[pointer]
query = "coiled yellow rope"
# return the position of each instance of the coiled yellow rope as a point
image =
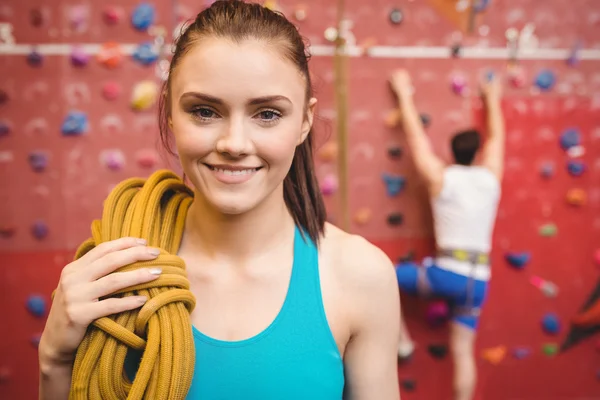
(154, 210)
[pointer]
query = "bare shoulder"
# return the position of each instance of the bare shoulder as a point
(360, 265)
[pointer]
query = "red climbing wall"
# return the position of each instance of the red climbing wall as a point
(69, 193)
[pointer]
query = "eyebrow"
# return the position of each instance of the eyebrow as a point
(252, 102)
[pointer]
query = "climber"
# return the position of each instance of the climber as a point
(464, 199)
(286, 305)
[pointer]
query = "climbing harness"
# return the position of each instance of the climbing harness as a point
(155, 210)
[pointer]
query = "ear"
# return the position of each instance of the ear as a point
(308, 120)
(170, 123)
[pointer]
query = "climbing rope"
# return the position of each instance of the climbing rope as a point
(154, 210)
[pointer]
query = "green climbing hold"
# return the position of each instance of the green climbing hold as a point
(548, 230)
(550, 349)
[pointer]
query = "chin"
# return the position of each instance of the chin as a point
(232, 204)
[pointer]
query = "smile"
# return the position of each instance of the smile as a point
(232, 174)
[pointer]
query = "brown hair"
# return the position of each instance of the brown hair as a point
(464, 145)
(236, 20)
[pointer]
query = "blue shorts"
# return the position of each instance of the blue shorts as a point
(464, 294)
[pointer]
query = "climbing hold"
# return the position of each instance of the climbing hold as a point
(393, 184)
(576, 197)
(5, 374)
(331, 34)
(143, 16)
(329, 185)
(394, 152)
(548, 288)
(362, 216)
(146, 158)
(438, 351)
(408, 384)
(573, 58)
(38, 160)
(113, 159)
(545, 80)
(393, 118)
(395, 219)
(35, 339)
(144, 95)
(550, 349)
(145, 53)
(521, 352)
(3, 97)
(575, 167)
(111, 90)
(551, 324)
(35, 59)
(112, 15)
(7, 231)
(4, 129)
(576, 151)
(78, 16)
(455, 50)
(547, 170)
(570, 138)
(79, 58)
(548, 230)
(494, 355)
(481, 5)
(518, 260)
(396, 16)
(36, 17)
(328, 152)
(75, 124)
(110, 55)
(425, 119)
(437, 313)
(597, 257)
(39, 230)
(300, 13)
(36, 305)
(516, 76)
(458, 84)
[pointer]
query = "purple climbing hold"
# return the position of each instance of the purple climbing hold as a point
(576, 167)
(570, 138)
(79, 58)
(35, 59)
(547, 170)
(38, 160)
(437, 313)
(518, 260)
(4, 129)
(36, 305)
(551, 324)
(481, 5)
(39, 230)
(521, 352)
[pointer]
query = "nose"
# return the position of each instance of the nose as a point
(234, 140)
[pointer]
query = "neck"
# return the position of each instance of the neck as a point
(238, 237)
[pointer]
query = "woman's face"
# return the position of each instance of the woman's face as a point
(238, 111)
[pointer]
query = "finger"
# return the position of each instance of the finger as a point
(120, 280)
(108, 247)
(114, 305)
(115, 260)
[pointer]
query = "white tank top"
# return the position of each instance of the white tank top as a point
(465, 210)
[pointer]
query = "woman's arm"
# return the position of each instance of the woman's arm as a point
(55, 377)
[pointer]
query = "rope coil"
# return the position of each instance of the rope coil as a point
(154, 210)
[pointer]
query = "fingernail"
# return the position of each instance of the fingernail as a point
(143, 242)
(154, 251)
(155, 271)
(142, 299)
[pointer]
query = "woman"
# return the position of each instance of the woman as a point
(287, 306)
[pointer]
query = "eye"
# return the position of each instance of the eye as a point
(204, 113)
(269, 115)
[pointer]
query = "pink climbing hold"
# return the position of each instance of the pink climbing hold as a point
(329, 185)
(516, 77)
(111, 90)
(437, 313)
(112, 15)
(147, 158)
(459, 84)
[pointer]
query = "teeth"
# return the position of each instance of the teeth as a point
(229, 172)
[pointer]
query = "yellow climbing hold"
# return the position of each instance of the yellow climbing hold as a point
(494, 355)
(144, 95)
(362, 216)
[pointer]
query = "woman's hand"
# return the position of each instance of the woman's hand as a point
(401, 84)
(82, 283)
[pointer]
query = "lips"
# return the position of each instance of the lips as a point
(232, 173)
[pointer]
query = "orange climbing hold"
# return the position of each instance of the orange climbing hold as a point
(328, 152)
(576, 197)
(110, 55)
(494, 355)
(393, 118)
(362, 216)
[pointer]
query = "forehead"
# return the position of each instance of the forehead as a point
(224, 68)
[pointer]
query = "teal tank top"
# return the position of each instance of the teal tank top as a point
(295, 357)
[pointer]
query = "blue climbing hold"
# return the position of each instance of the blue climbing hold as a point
(545, 80)
(145, 54)
(36, 305)
(393, 183)
(143, 16)
(547, 170)
(570, 138)
(481, 5)
(518, 260)
(75, 124)
(39, 230)
(551, 324)
(576, 167)
(35, 59)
